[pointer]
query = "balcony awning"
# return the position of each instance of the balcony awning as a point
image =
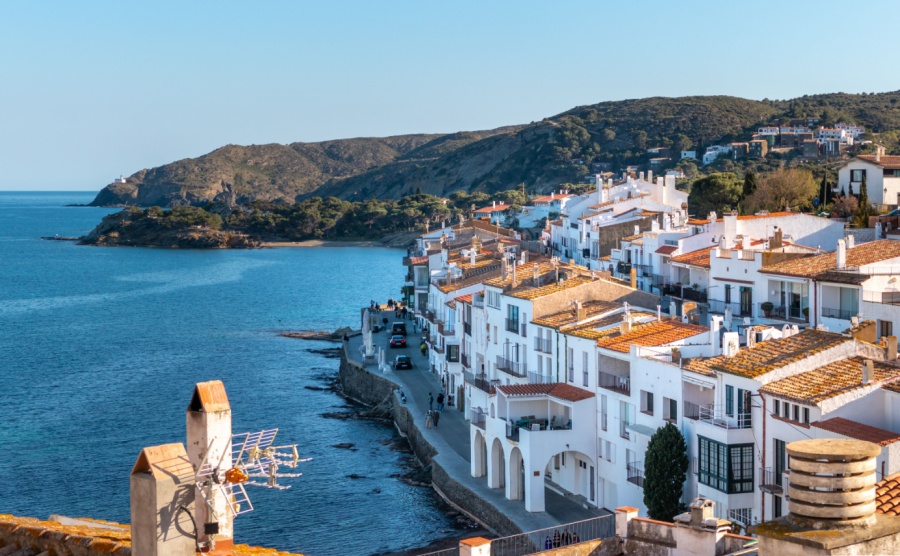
(641, 429)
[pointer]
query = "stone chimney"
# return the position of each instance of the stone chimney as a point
(879, 152)
(535, 275)
(832, 503)
(579, 311)
(868, 370)
(890, 347)
(841, 255)
(162, 482)
(698, 531)
(209, 438)
(776, 240)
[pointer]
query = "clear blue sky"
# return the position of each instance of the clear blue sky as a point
(91, 90)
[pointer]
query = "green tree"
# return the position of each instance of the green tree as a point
(824, 189)
(861, 218)
(789, 188)
(749, 184)
(665, 470)
(640, 139)
(715, 192)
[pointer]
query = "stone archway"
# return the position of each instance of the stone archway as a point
(479, 455)
(515, 489)
(497, 465)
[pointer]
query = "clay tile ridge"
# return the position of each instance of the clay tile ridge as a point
(555, 389)
(859, 431)
(210, 397)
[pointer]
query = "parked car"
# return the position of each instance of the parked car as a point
(403, 362)
(398, 341)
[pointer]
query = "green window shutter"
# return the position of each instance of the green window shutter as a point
(729, 400)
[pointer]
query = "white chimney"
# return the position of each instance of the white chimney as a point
(751, 338)
(637, 229)
(162, 477)
(841, 254)
(472, 255)
(730, 344)
(712, 216)
(493, 204)
(641, 176)
(715, 325)
(851, 241)
(658, 313)
(868, 369)
(650, 176)
(786, 331)
(553, 193)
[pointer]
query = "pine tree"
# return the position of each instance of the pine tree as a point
(665, 470)
(749, 184)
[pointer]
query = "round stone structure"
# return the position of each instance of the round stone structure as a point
(832, 479)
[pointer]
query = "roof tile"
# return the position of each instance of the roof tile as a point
(859, 431)
(830, 380)
(862, 254)
(655, 333)
(555, 389)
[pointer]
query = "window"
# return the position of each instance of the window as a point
(805, 415)
(647, 402)
(626, 417)
(570, 353)
(603, 411)
(776, 410)
(796, 412)
(728, 468)
(512, 318)
(584, 373)
(729, 401)
(495, 335)
(670, 410)
(786, 410)
(857, 175)
(453, 354)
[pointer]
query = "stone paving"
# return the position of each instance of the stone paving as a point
(451, 440)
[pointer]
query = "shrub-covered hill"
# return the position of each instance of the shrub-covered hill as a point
(541, 154)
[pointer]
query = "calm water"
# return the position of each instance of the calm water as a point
(100, 349)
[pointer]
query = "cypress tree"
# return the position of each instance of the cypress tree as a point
(864, 194)
(823, 194)
(665, 470)
(749, 184)
(861, 220)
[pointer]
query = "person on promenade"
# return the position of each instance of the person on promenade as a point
(430, 401)
(440, 401)
(435, 417)
(428, 419)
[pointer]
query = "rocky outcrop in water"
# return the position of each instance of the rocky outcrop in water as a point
(135, 229)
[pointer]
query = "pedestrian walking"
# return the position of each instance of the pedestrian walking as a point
(428, 419)
(430, 401)
(435, 417)
(440, 401)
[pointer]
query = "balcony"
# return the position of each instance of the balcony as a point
(885, 298)
(843, 314)
(635, 471)
(542, 344)
(616, 383)
(481, 383)
(770, 480)
(465, 361)
(790, 312)
(512, 325)
(467, 328)
(478, 418)
(623, 268)
(691, 411)
(718, 306)
(515, 368)
(445, 329)
(688, 294)
(715, 415)
(429, 315)
(538, 378)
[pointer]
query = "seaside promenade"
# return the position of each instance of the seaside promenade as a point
(451, 440)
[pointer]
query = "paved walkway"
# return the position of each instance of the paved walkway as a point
(451, 440)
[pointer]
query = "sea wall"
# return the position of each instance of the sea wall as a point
(372, 389)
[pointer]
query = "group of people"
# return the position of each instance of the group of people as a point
(558, 540)
(400, 310)
(432, 417)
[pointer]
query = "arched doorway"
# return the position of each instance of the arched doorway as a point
(497, 468)
(479, 455)
(516, 489)
(575, 473)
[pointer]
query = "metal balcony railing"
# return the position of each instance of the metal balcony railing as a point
(718, 306)
(691, 294)
(770, 481)
(616, 383)
(887, 298)
(542, 345)
(787, 313)
(691, 411)
(480, 382)
(538, 378)
(512, 325)
(635, 472)
(843, 314)
(464, 359)
(516, 368)
(715, 415)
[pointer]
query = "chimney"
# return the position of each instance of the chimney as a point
(851, 241)
(715, 326)
(504, 267)
(515, 280)
(730, 228)
(751, 338)
(162, 480)
(776, 242)
(641, 176)
(879, 152)
(650, 176)
(890, 347)
(658, 313)
(535, 275)
(209, 437)
(493, 204)
(637, 229)
(579, 311)
(730, 344)
(868, 371)
(633, 278)
(841, 254)
(553, 194)
(699, 531)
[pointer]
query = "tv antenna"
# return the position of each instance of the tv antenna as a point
(253, 456)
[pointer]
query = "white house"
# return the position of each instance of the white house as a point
(881, 173)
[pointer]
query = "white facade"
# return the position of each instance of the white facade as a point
(882, 184)
(715, 151)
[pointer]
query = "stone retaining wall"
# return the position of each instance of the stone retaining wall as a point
(370, 388)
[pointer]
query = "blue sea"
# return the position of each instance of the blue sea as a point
(100, 349)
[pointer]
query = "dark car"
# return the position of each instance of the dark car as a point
(403, 362)
(399, 328)
(398, 341)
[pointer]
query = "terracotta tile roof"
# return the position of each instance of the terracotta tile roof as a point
(667, 249)
(699, 258)
(605, 327)
(887, 495)
(567, 317)
(863, 254)
(890, 162)
(535, 293)
(656, 333)
(468, 297)
(556, 389)
(700, 365)
(698, 221)
(548, 198)
(830, 380)
(842, 277)
(859, 431)
(774, 354)
(524, 273)
(106, 537)
(469, 281)
(634, 237)
(418, 260)
(488, 210)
